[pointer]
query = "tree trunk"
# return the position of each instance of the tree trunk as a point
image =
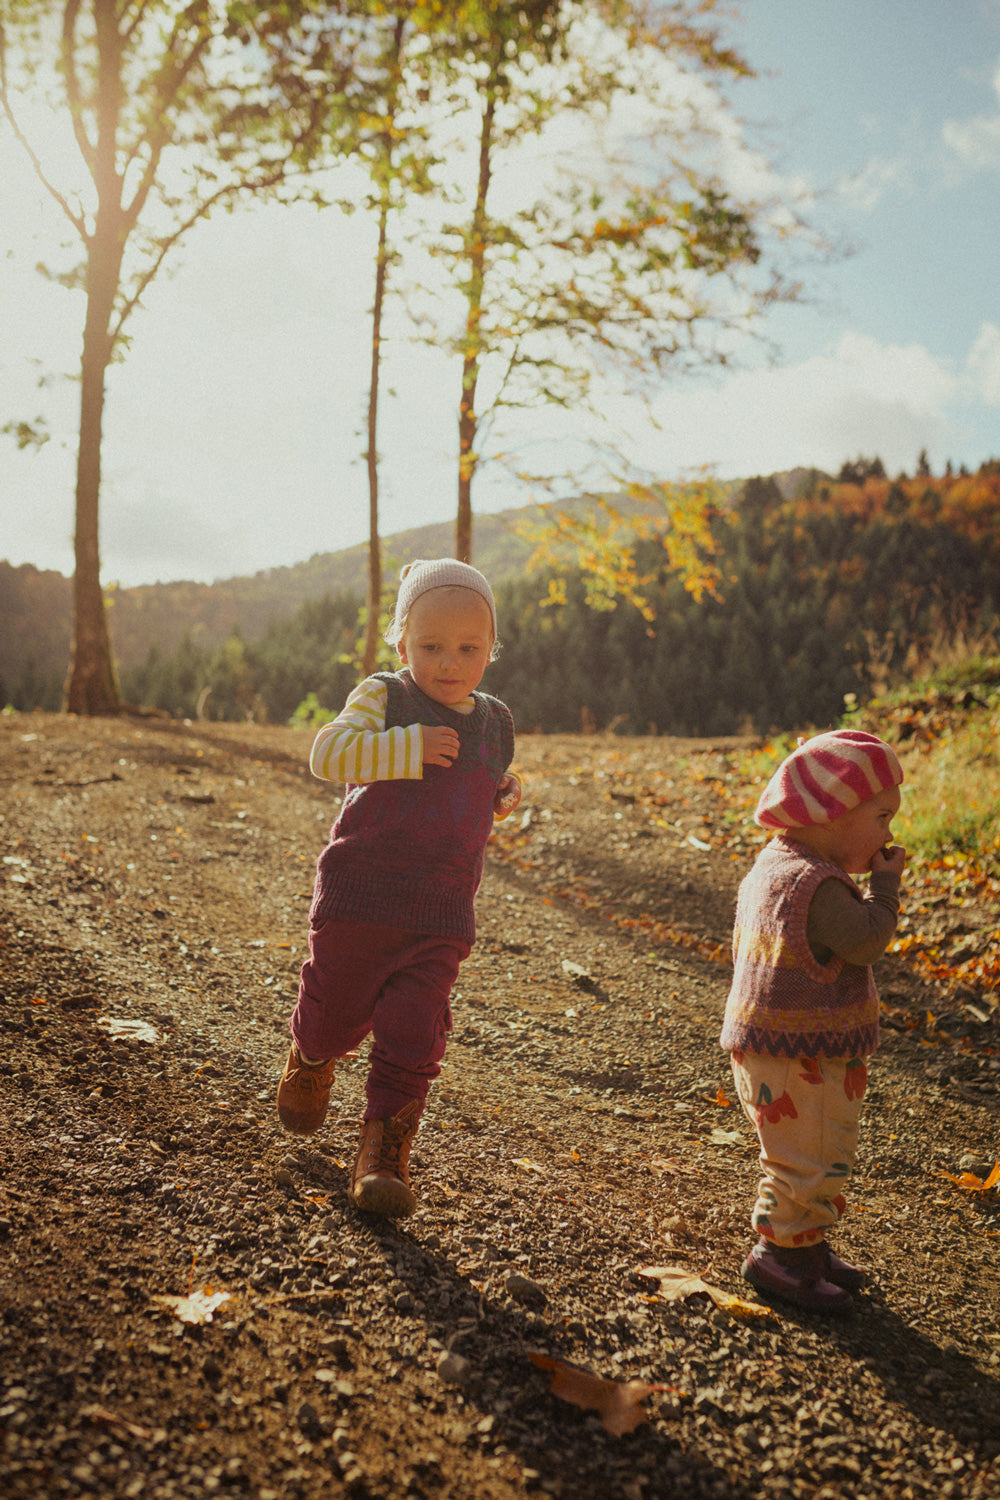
(374, 604)
(466, 455)
(468, 458)
(91, 687)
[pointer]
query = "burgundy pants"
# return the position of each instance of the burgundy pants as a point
(394, 984)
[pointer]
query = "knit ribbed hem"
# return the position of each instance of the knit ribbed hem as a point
(860, 1042)
(388, 901)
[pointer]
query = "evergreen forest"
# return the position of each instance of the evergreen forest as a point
(831, 596)
(827, 595)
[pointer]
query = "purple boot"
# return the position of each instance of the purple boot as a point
(797, 1274)
(851, 1278)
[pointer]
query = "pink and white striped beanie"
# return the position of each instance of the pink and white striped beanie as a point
(826, 777)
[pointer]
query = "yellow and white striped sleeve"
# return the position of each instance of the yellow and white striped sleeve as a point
(358, 748)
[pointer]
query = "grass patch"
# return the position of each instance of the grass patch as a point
(945, 726)
(951, 803)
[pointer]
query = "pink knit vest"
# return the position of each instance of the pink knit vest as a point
(783, 1002)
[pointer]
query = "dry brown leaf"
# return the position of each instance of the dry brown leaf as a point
(676, 1283)
(102, 1416)
(618, 1403)
(197, 1307)
(659, 1164)
(530, 1166)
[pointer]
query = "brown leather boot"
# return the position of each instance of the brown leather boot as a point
(304, 1093)
(380, 1182)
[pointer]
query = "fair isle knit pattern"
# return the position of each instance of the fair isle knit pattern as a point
(407, 853)
(783, 1002)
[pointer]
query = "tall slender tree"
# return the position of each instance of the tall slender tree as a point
(393, 145)
(176, 109)
(636, 258)
(382, 172)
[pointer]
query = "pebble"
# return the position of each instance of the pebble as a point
(454, 1369)
(523, 1289)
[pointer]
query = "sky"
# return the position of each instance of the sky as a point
(234, 426)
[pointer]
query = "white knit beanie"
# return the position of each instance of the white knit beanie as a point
(440, 573)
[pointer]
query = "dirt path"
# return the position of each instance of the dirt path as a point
(155, 885)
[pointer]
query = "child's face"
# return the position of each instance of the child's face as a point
(852, 840)
(447, 643)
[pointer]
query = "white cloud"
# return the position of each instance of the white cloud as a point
(976, 141)
(866, 189)
(983, 364)
(860, 398)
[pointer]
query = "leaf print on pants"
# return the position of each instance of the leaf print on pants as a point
(811, 1070)
(773, 1109)
(855, 1078)
(807, 1150)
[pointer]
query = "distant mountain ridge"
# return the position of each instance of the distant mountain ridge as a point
(36, 605)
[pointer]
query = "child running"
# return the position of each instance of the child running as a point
(803, 1011)
(425, 759)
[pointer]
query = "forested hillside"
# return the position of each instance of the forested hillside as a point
(166, 618)
(826, 588)
(829, 592)
(838, 591)
(36, 605)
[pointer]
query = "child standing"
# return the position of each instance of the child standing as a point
(802, 1014)
(425, 758)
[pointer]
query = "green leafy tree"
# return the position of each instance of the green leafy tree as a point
(176, 110)
(634, 259)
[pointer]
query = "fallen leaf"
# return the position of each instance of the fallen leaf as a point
(720, 1137)
(531, 1166)
(977, 1014)
(617, 1402)
(970, 1183)
(197, 1307)
(660, 1164)
(676, 1283)
(102, 1416)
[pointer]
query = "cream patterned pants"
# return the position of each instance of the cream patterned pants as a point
(805, 1112)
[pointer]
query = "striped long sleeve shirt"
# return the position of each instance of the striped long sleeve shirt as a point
(357, 748)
